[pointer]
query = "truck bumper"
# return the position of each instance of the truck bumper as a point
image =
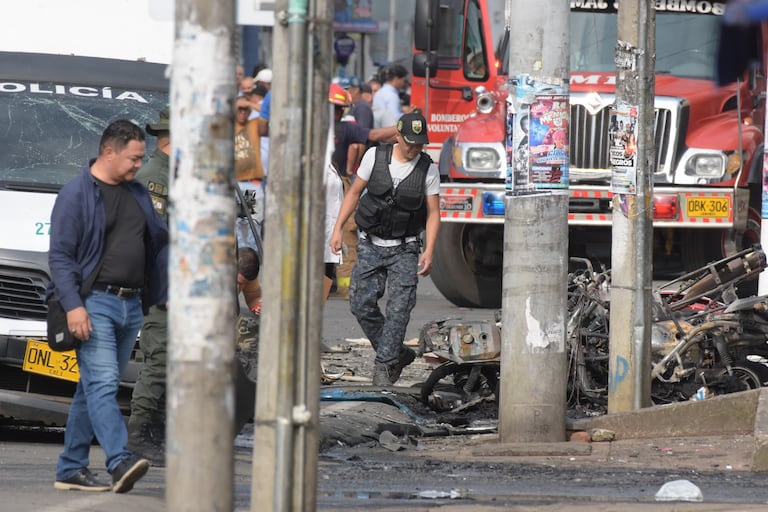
(675, 207)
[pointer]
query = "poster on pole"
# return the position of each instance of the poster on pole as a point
(548, 141)
(764, 208)
(622, 154)
(537, 148)
(518, 173)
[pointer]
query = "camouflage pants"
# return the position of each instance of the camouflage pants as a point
(247, 348)
(380, 269)
(148, 400)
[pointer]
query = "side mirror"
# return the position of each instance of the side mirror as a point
(425, 33)
(424, 63)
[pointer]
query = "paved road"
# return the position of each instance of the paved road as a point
(461, 472)
(339, 324)
(620, 476)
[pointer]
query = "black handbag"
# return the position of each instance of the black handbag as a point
(60, 338)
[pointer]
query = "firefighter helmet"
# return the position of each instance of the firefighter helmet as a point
(339, 96)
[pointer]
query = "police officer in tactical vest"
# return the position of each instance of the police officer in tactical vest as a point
(397, 188)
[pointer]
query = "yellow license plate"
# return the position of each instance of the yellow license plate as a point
(38, 358)
(711, 207)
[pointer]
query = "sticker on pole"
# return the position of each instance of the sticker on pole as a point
(622, 153)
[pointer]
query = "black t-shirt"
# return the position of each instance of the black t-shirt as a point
(123, 258)
(344, 134)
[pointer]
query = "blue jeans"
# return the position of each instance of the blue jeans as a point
(94, 409)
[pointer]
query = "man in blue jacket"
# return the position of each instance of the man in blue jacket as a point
(103, 222)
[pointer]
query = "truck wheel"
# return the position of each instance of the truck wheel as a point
(468, 263)
(703, 246)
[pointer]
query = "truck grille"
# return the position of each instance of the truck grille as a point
(589, 137)
(22, 294)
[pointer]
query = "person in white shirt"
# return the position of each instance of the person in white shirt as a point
(387, 99)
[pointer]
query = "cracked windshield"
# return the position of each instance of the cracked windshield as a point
(48, 141)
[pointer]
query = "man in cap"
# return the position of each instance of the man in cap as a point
(348, 134)
(146, 425)
(401, 186)
(264, 77)
(361, 110)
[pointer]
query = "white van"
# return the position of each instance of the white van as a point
(53, 110)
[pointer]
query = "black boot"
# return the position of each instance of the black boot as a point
(142, 443)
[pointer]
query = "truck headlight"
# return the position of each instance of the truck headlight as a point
(706, 165)
(482, 159)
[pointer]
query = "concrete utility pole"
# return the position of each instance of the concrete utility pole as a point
(202, 303)
(629, 386)
(533, 363)
(287, 403)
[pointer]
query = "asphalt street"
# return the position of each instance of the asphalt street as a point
(395, 462)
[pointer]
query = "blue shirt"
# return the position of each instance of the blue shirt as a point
(78, 231)
(266, 106)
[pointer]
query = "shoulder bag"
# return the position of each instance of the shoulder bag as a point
(60, 338)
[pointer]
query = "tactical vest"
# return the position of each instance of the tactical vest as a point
(392, 213)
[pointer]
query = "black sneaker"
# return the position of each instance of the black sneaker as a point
(83, 480)
(128, 473)
(405, 358)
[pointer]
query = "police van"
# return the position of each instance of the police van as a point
(54, 109)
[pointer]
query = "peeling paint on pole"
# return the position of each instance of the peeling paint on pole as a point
(540, 338)
(202, 301)
(203, 223)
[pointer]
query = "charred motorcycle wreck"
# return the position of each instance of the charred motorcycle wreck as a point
(705, 340)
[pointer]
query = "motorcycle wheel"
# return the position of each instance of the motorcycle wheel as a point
(444, 388)
(752, 375)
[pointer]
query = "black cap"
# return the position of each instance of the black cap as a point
(413, 128)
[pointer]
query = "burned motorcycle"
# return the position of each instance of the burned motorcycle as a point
(468, 357)
(704, 340)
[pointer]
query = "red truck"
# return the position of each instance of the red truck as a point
(709, 138)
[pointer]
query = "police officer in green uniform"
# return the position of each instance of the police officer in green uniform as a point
(146, 425)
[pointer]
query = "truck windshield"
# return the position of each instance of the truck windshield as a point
(50, 131)
(686, 45)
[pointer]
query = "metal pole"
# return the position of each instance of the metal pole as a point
(391, 31)
(629, 386)
(319, 52)
(533, 363)
(201, 347)
(287, 405)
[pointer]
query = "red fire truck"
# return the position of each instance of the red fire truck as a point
(708, 139)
